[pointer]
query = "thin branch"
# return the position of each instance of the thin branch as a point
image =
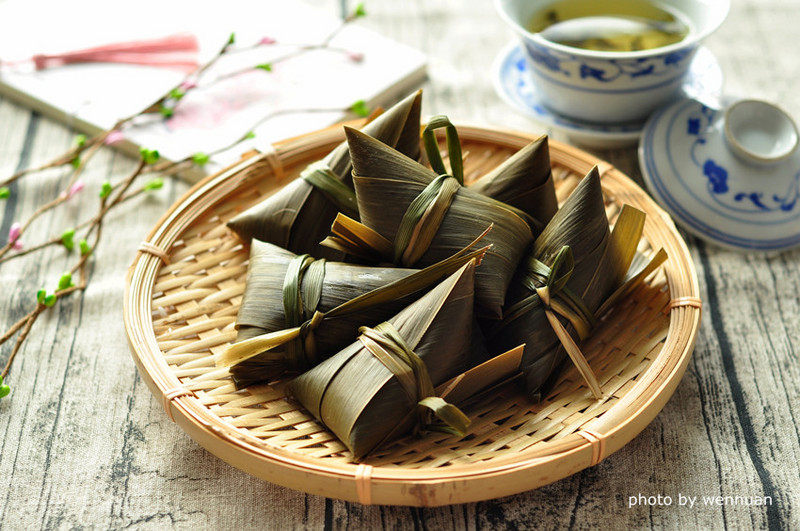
(21, 338)
(276, 61)
(120, 192)
(26, 323)
(300, 49)
(61, 160)
(36, 213)
(14, 328)
(31, 249)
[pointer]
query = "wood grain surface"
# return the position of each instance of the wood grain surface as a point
(84, 444)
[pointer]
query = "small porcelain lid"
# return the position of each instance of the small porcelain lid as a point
(728, 173)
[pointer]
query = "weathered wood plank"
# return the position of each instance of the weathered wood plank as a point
(83, 443)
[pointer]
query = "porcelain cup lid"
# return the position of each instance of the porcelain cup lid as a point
(729, 173)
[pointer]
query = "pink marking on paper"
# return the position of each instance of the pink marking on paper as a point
(227, 102)
(356, 57)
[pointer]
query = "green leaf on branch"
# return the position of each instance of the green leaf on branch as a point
(5, 193)
(105, 189)
(84, 247)
(200, 158)
(249, 135)
(43, 298)
(76, 162)
(154, 184)
(65, 281)
(4, 391)
(360, 108)
(267, 67)
(177, 93)
(359, 11)
(149, 156)
(80, 141)
(231, 39)
(68, 239)
(166, 112)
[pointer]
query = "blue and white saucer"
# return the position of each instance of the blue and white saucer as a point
(728, 172)
(514, 85)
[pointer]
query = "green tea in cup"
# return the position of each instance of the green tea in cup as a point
(609, 26)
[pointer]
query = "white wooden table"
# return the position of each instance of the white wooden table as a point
(83, 442)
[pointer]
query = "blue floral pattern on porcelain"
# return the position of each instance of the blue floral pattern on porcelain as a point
(513, 83)
(700, 125)
(713, 192)
(607, 90)
(608, 70)
(611, 87)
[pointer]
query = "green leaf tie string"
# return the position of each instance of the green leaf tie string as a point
(453, 147)
(388, 346)
(457, 161)
(549, 284)
(302, 290)
(422, 219)
(424, 215)
(322, 177)
(308, 298)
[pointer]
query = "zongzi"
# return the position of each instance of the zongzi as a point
(298, 216)
(574, 265)
(381, 386)
(523, 182)
(425, 218)
(286, 292)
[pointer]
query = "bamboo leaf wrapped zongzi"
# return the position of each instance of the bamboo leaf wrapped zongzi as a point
(298, 216)
(285, 292)
(382, 385)
(574, 266)
(523, 182)
(426, 219)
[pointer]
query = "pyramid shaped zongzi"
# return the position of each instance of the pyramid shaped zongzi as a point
(391, 190)
(322, 285)
(578, 238)
(524, 181)
(298, 216)
(297, 310)
(365, 399)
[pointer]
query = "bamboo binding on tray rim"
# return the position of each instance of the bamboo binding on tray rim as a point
(600, 433)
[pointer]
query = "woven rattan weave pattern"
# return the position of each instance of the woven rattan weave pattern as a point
(638, 353)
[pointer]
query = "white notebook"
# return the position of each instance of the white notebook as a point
(92, 97)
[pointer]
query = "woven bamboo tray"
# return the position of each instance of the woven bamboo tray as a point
(185, 286)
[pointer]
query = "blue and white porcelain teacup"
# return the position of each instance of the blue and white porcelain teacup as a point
(611, 87)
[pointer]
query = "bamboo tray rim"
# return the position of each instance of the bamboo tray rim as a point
(600, 437)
